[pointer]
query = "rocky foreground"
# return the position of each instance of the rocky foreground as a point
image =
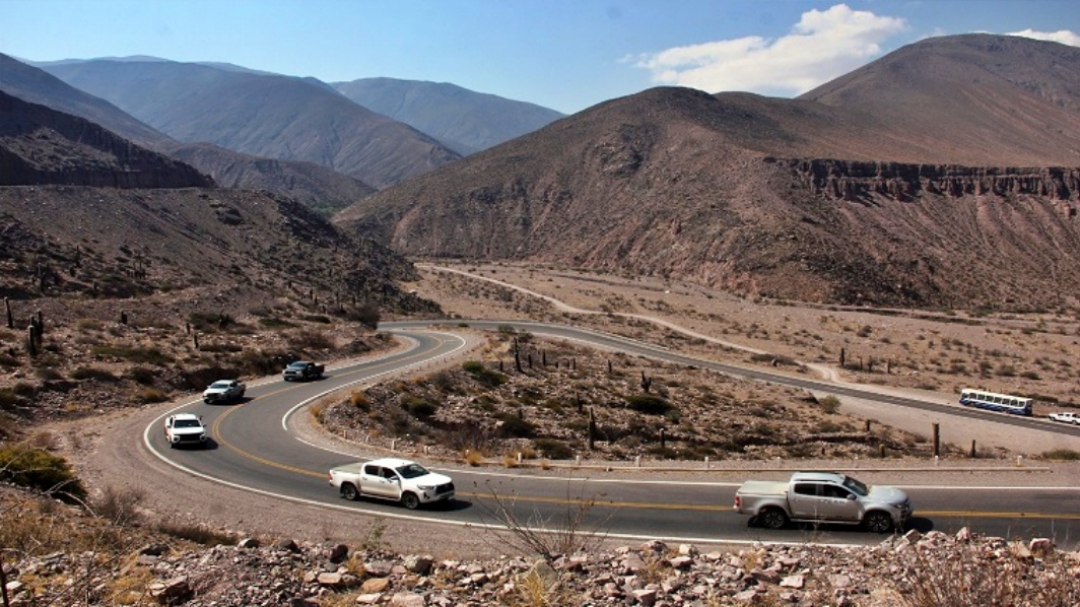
(911, 570)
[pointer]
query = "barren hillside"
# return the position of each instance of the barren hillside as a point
(786, 198)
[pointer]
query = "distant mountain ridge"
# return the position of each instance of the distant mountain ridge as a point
(863, 191)
(264, 115)
(464, 120)
(41, 146)
(315, 185)
(37, 86)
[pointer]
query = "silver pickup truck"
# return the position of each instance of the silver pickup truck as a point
(823, 497)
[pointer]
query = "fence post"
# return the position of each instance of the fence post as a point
(937, 440)
(706, 462)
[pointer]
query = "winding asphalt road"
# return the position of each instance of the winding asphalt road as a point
(254, 448)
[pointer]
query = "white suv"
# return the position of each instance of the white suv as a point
(185, 429)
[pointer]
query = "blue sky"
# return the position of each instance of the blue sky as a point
(563, 54)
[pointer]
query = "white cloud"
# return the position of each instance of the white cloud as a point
(821, 46)
(1062, 36)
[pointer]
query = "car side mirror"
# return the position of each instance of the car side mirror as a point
(851, 497)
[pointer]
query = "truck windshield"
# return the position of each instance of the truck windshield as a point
(412, 471)
(856, 486)
(187, 423)
(299, 365)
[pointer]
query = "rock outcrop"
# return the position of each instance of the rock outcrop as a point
(913, 569)
(854, 180)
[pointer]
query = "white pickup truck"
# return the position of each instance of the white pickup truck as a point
(394, 479)
(185, 429)
(823, 497)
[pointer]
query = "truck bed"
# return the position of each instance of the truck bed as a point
(764, 488)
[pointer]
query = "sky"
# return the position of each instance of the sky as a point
(563, 54)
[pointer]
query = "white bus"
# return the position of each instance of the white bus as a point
(1017, 405)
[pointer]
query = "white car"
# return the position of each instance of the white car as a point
(223, 391)
(1068, 417)
(399, 480)
(185, 429)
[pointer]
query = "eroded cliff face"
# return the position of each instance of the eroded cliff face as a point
(855, 181)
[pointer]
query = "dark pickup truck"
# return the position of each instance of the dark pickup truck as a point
(303, 370)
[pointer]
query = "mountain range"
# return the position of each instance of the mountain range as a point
(463, 120)
(916, 180)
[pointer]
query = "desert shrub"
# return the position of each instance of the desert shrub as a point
(38, 469)
(150, 395)
(148, 356)
(311, 340)
(8, 399)
(553, 448)
(143, 375)
(471, 436)
(48, 374)
(649, 404)
(1030, 375)
(444, 381)
(272, 322)
(118, 506)
(487, 377)
(830, 404)
(197, 533)
(418, 407)
(366, 315)
(89, 324)
(1067, 455)
(514, 426)
(316, 318)
(226, 348)
(209, 322)
(360, 401)
(95, 373)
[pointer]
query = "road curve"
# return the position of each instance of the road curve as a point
(253, 448)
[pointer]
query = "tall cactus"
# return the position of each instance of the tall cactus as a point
(10, 318)
(31, 340)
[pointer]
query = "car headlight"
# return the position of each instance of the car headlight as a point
(426, 487)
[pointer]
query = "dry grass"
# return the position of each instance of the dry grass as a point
(972, 576)
(577, 528)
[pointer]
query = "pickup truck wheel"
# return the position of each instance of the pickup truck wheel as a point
(878, 522)
(410, 501)
(772, 518)
(349, 492)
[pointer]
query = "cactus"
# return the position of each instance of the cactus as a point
(195, 339)
(842, 353)
(10, 318)
(31, 341)
(123, 317)
(646, 382)
(592, 429)
(40, 323)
